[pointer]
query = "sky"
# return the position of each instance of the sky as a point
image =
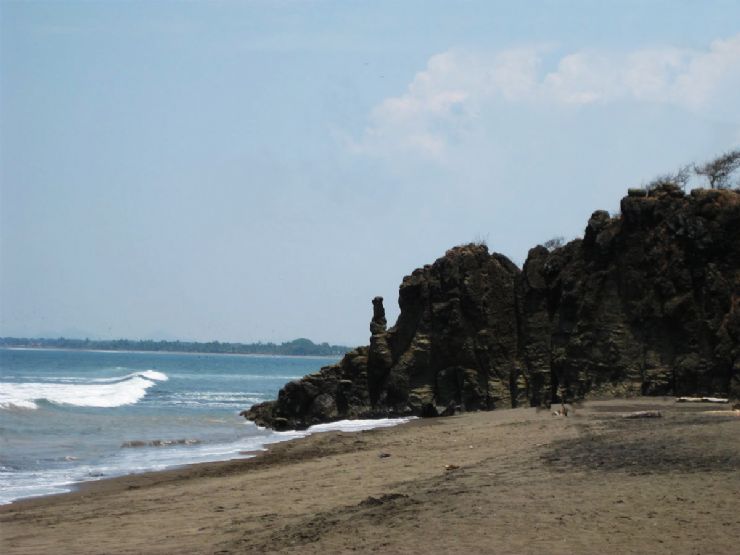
(260, 170)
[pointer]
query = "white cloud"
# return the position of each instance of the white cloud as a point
(707, 72)
(442, 98)
(443, 101)
(513, 73)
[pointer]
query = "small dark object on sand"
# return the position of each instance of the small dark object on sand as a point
(644, 414)
(385, 498)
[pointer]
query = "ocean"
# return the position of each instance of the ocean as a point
(72, 416)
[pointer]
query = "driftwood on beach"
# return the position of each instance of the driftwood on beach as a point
(643, 414)
(702, 400)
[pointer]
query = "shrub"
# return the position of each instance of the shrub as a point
(554, 243)
(719, 170)
(680, 179)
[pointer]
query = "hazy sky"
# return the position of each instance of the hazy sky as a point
(260, 170)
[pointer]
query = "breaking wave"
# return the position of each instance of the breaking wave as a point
(102, 393)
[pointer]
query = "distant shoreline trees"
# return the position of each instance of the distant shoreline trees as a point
(297, 347)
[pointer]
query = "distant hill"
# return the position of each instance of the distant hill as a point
(297, 347)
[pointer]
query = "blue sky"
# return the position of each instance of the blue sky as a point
(260, 170)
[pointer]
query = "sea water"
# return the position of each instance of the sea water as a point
(73, 416)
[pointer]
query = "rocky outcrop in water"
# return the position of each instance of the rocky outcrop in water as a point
(648, 302)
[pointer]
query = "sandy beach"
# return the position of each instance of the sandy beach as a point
(508, 481)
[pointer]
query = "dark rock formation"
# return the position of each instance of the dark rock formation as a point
(646, 303)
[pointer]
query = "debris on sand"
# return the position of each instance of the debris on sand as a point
(702, 400)
(643, 414)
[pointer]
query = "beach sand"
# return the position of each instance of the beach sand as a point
(508, 481)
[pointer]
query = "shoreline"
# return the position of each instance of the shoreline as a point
(271, 452)
(592, 481)
(235, 454)
(184, 471)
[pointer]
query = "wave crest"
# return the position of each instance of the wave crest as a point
(101, 393)
(148, 374)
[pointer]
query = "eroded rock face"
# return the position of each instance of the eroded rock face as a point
(646, 303)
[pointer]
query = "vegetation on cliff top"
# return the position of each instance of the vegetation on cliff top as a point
(718, 173)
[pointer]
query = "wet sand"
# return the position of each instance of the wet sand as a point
(509, 481)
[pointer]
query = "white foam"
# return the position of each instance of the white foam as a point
(340, 426)
(214, 399)
(25, 484)
(357, 425)
(107, 393)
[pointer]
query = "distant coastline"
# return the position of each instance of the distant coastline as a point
(296, 347)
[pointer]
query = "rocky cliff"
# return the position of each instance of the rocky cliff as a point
(648, 302)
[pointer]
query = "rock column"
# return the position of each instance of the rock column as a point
(379, 357)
